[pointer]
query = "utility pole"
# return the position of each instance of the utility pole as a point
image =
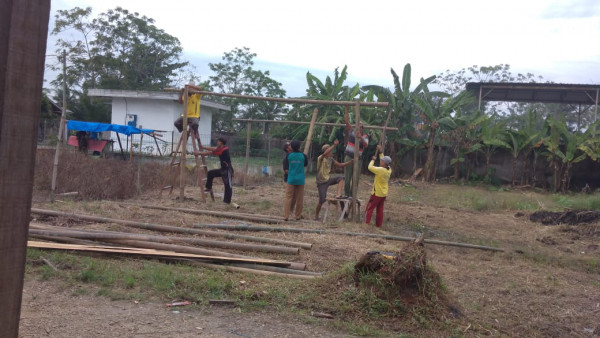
(61, 130)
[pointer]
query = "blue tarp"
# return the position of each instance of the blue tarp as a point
(99, 127)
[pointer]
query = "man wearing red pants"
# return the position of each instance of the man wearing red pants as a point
(380, 187)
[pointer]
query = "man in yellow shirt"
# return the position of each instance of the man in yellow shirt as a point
(380, 187)
(193, 109)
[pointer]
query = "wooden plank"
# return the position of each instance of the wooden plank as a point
(146, 252)
(310, 131)
(316, 124)
(23, 32)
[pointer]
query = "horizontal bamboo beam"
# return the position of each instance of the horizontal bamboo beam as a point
(316, 123)
(254, 271)
(345, 233)
(289, 100)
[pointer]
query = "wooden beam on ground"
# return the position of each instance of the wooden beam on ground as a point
(316, 123)
(148, 252)
(23, 33)
(343, 233)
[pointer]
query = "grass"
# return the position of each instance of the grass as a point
(478, 198)
(358, 309)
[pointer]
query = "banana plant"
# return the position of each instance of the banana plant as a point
(436, 109)
(493, 135)
(570, 148)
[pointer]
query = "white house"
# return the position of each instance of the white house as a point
(158, 111)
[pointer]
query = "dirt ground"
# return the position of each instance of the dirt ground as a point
(545, 283)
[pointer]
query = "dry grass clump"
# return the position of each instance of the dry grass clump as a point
(96, 178)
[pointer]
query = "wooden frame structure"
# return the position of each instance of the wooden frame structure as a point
(356, 104)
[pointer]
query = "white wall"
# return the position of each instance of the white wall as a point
(158, 115)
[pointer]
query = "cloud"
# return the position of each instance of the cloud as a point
(572, 9)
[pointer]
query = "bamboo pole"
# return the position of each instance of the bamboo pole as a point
(254, 271)
(316, 123)
(276, 269)
(287, 100)
(183, 149)
(120, 145)
(168, 228)
(345, 233)
(229, 215)
(61, 126)
(310, 131)
(105, 235)
(248, 129)
(147, 252)
(356, 172)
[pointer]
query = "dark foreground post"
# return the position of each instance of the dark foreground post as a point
(23, 31)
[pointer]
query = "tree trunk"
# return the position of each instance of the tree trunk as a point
(436, 164)
(429, 162)
(469, 160)
(525, 168)
(534, 171)
(565, 177)
(514, 174)
(414, 159)
(488, 156)
(556, 178)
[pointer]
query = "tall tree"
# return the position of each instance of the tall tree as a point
(236, 75)
(117, 50)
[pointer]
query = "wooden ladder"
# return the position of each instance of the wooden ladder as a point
(173, 174)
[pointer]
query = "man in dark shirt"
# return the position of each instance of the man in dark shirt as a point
(226, 170)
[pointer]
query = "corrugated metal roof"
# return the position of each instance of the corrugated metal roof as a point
(536, 92)
(138, 94)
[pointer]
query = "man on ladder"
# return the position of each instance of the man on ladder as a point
(193, 110)
(226, 170)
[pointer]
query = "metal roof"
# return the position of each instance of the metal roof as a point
(536, 92)
(137, 94)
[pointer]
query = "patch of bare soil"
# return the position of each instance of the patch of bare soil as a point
(545, 283)
(567, 217)
(52, 311)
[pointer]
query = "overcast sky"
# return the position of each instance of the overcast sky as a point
(557, 39)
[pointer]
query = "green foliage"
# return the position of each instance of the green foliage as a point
(116, 50)
(236, 75)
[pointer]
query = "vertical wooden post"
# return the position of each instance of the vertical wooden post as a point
(23, 32)
(183, 149)
(61, 126)
(356, 172)
(310, 131)
(480, 93)
(248, 129)
(596, 109)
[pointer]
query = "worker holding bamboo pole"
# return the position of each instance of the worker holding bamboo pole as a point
(380, 187)
(295, 161)
(351, 147)
(193, 109)
(225, 172)
(324, 163)
(287, 148)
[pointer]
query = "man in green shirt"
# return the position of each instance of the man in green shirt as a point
(323, 170)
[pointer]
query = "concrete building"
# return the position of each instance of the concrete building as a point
(158, 111)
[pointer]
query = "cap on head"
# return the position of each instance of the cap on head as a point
(387, 160)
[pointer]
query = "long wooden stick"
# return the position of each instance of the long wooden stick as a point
(278, 99)
(329, 124)
(310, 131)
(345, 233)
(254, 271)
(230, 215)
(145, 252)
(139, 237)
(169, 228)
(248, 129)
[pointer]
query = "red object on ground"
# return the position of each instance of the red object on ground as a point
(93, 145)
